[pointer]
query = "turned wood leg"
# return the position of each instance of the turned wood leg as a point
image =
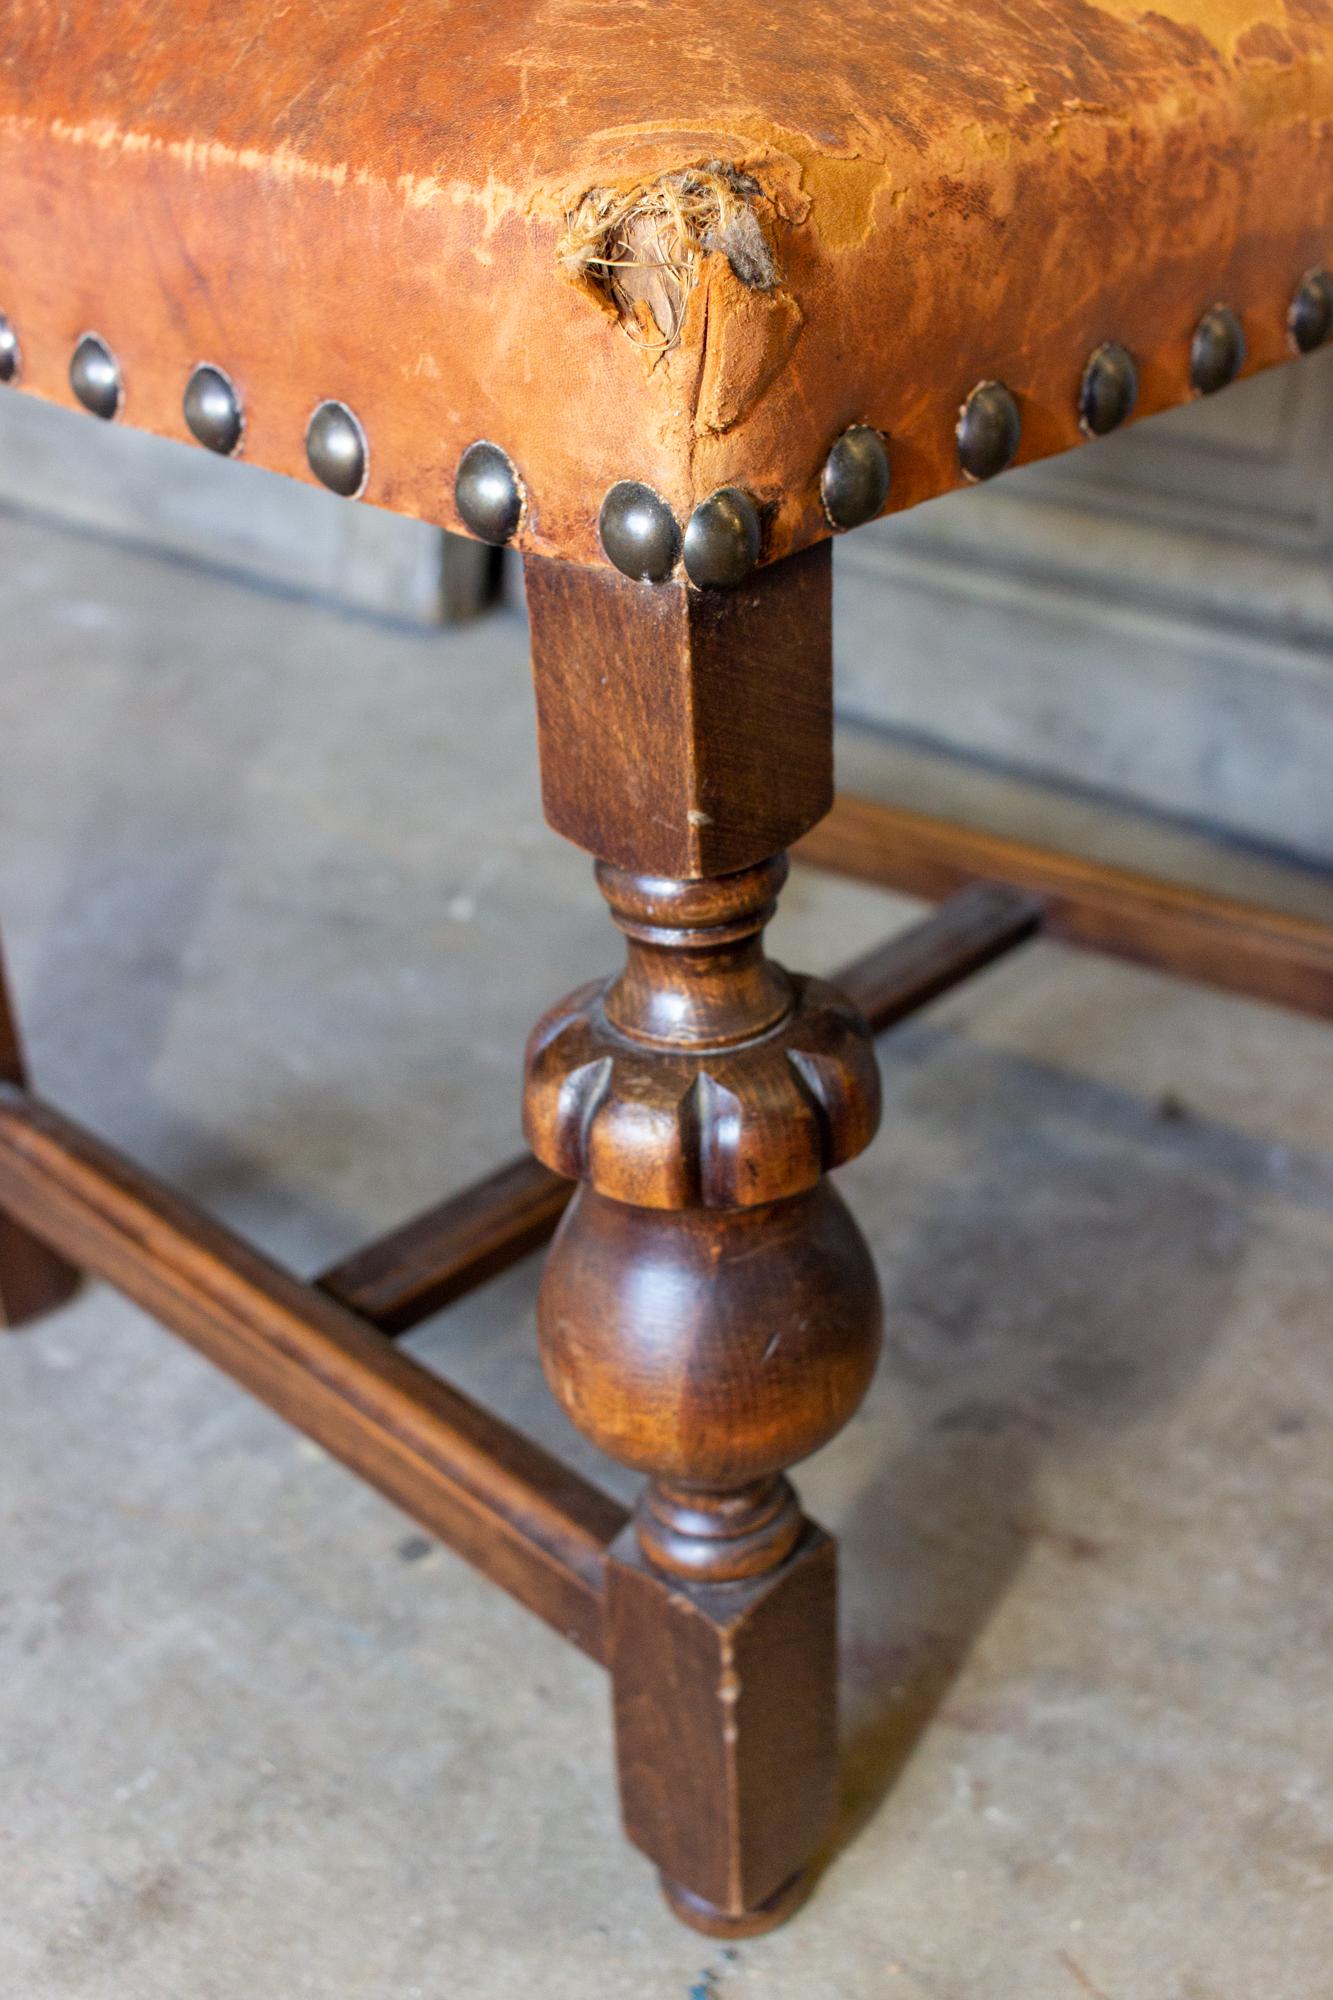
(709, 1312)
(33, 1280)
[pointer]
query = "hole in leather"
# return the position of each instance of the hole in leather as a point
(638, 247)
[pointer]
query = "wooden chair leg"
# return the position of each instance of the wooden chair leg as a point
(709, 1312)
(33, 1280)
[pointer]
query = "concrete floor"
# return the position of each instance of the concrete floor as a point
(280, 910)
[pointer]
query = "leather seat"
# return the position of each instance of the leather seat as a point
(682, 244)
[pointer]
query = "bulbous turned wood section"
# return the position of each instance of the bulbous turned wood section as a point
(709, 1314)
(704, 1075)
(709, 1311)
(712, 1350)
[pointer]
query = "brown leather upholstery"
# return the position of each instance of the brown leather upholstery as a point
(367, 200)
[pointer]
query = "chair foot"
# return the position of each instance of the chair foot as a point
(701, 1915)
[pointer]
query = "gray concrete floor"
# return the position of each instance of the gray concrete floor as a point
(280, 911)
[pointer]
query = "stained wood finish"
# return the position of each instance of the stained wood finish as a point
(1224, 943)
(709, 1348)
(704, 1076)
(683, 733)
(726, 1729)
(527, 1521)
(966, 934)
(708, 1312)
(450, 1249)
(33, 1280)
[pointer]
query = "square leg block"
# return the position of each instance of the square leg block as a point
(725, 1699)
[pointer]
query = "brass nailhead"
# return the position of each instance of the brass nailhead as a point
(989, 428)
(94, 376)
(213, 411)
(639, 532)
(1217, 351)
(1310, 314)
(855, 481)
(335, 446)
(722, 539)
(488, 492)
(1109, 389)
(11, 355)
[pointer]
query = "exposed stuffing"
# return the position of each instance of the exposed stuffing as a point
(639, 246)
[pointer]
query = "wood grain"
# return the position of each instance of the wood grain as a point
(709, 1312)
(451, 1248)
(726, 1729)
(968, 932)
(527, 1521)
(1214, 939)
(683, 733)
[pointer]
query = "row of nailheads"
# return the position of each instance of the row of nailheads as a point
(723, 537)
(335, 441)
(488, 490)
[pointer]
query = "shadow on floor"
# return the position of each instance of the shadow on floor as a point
(1065, 1272)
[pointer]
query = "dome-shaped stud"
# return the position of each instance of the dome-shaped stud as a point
(1108, 391)
(94, 376)
(488, 492)
(855, 481)
(11, 357)
(1310, 314)
(335, 445)
(988, 431)
(639, 532)
(722, 539)
(1217, 351)
(213, 409)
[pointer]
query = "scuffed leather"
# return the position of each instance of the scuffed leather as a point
(364, 199)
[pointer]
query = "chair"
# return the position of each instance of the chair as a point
(665, 299)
